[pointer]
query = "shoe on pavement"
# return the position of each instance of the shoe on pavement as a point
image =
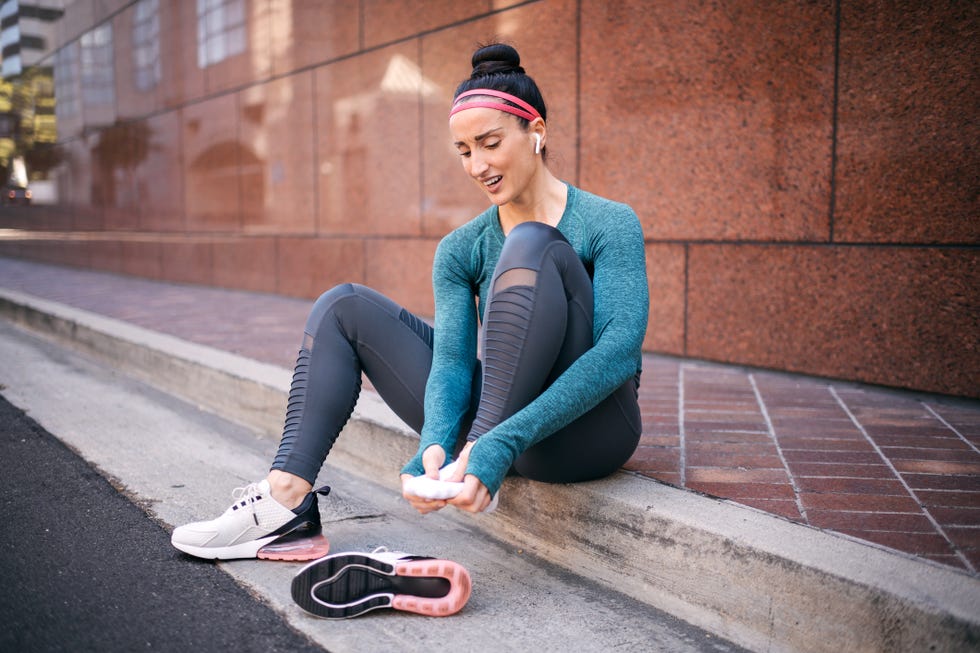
(258, 526)
(346, 585)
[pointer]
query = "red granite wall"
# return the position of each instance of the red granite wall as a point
(805, 172)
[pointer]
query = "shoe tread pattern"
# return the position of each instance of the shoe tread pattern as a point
(347, 585)
(452, 602)
(359, 584)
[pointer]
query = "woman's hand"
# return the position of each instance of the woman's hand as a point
(424, 506)
(475, 496)
(432, 459)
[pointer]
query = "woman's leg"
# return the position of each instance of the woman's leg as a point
(538, 322)
(594, 446)
(351, 329)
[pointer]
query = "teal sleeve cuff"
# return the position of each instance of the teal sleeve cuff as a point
(414, 465)
(490, 463)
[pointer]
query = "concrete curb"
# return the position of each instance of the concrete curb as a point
(758, 580)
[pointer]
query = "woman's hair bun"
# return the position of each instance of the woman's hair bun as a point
(497, 67)
(497, 58)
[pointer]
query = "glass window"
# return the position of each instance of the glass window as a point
(220, 30)
(66, 86)
(96, 66)
(146, 44)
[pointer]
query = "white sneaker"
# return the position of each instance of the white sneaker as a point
(257, 526)
(349, 584)
(433, 489)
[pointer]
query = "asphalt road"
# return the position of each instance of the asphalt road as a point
(85, 569)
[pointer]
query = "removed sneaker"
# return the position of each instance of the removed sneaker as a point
(258, 526)
(346, 585)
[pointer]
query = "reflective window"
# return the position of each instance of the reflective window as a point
(220, 30)
(66, 86)
(96, 66)
(146, 44)
(9, 40)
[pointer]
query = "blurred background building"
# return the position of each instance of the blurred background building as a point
(806, 172)
(27, 33)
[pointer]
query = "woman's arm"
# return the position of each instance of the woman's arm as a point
(447, 392)
(620, 316)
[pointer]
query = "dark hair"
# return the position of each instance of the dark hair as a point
(497, 66)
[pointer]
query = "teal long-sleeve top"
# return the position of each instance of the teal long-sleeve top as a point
(608, 239)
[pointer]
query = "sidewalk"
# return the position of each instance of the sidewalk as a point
(893, 468)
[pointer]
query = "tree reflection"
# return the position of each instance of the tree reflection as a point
(27, 122)
(119, 150)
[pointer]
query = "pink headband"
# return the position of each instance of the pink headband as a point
(523, 109)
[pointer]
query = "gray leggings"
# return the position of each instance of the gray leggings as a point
(353, 329)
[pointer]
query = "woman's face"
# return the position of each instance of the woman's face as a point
(496, 152)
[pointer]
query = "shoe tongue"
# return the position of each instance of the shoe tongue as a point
(264, 487)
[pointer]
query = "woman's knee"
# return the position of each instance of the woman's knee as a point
(535, 230)
(327, 303)
(526, 244)
(350, 306)
(340, 290)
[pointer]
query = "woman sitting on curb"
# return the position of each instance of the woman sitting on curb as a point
(551, 277)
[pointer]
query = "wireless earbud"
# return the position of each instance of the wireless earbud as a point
(537, 143)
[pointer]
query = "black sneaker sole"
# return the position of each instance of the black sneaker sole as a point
(349, 584)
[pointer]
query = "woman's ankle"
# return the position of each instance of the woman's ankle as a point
(288, 489)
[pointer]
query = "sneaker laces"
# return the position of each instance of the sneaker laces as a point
(248, 494)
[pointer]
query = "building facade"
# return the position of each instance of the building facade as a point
(27, 32)
(805, 172)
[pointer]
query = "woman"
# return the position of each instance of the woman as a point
(560, 282)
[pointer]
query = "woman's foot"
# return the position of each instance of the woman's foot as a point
(258, 526)
(288, 489)
(442, 488)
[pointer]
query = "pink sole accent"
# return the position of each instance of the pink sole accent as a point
(459, 591)
(309, 548)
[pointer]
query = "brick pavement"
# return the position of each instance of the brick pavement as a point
(895, 468)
